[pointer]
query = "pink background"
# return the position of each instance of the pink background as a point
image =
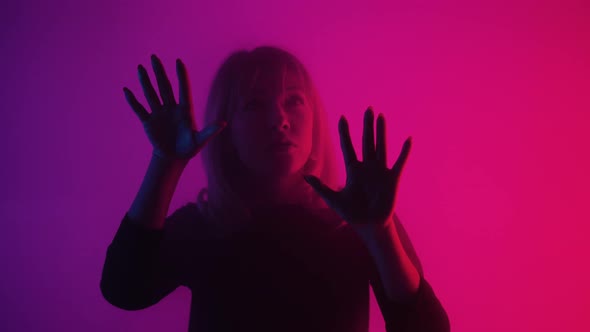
(496, 96)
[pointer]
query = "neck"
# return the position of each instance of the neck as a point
(266, 190)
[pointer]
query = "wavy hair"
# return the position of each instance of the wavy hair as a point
(225, 205)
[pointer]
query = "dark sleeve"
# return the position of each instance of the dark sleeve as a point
(142, 265)
(423, 312)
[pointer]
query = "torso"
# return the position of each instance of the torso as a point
(297, 275)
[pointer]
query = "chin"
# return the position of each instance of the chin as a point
(282, 172)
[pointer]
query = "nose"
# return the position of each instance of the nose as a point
(278, 118)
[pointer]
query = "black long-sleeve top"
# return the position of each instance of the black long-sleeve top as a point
(294, 271)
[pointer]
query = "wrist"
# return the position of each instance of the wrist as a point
(169, 162)
(375, 231)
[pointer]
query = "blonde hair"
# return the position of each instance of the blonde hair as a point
(222, 166)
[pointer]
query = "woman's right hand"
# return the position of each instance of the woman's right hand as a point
(170, 126)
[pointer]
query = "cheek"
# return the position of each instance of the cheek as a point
(307, 132)
(247, 141)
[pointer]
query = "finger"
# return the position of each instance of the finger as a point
(163, 83)
(381, 148)
(203, 136)
(401, 160)
(345, 143)
(183, 84)
(329, 195)
(369, 136)
(136, 106)
(184, 92)
(148, 89)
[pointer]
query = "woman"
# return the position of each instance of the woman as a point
(273, 247)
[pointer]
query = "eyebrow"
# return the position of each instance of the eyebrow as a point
(295, 88)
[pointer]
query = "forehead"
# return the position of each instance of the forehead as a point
(272, 80)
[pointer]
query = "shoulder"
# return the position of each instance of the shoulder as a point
(185, 222)
(188, 209)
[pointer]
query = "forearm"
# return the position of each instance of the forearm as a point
(399, 276)
(134, 274)
(152, 201)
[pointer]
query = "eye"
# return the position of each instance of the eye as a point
(295, 100)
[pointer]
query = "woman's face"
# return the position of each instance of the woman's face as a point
(275, 109)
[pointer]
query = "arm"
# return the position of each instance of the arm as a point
(139, 269)
(150, 206)
(417, 311)
(143, 266)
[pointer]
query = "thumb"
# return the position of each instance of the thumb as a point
(203, 136)
(326, 193)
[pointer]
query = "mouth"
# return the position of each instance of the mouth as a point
(282, 146)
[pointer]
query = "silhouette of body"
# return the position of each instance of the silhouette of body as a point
(298, 273)
(293, 264)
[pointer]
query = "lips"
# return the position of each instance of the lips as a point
(281, 147)
(281, 144)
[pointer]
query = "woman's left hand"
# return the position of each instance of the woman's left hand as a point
(368, 198)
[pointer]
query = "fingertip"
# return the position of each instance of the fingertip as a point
(128, 95)
(141, 71)
(344, 123)
(155, 60)
(342, 120)
(178, 67)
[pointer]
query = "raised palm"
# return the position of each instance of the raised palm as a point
(170, 127)
(368, 199)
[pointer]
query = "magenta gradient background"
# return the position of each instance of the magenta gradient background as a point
(495, 95)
